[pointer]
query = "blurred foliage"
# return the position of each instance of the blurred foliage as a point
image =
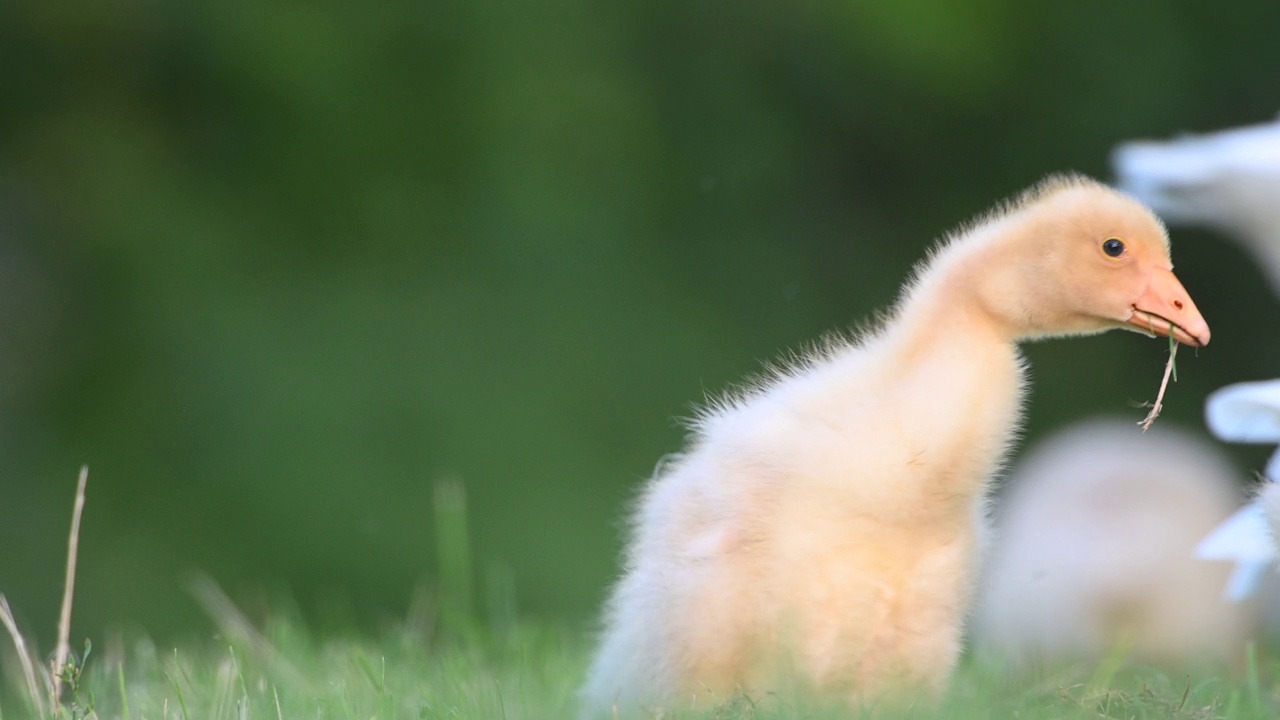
(273, 270)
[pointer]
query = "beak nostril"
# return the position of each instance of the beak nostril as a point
(1177, 304)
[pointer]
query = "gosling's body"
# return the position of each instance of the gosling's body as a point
(745, 547)
(827, 523)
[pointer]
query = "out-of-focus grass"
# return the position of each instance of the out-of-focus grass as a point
(528, 673)
(531, 671)
(443, 661)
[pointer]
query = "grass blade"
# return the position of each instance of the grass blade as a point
(24, 656)
(63, 648)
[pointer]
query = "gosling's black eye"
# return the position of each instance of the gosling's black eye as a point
(1113, 247)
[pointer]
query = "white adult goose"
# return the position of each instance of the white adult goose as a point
(828, 520)
(1248, 412)
(1228, 180)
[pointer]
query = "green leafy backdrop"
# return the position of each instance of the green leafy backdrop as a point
(274, 270)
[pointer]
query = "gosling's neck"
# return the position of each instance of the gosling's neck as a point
(964, 291)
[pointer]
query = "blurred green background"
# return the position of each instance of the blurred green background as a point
(274, 271)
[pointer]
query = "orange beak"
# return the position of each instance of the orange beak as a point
(1166, 309)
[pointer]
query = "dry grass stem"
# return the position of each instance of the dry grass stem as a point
(63, 647)
(24, 656)
(1164, 384)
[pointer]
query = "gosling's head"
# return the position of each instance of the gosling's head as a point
(1084, 258)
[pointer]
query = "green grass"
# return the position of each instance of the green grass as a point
(531, 671)
(443, 661)
(289, 674)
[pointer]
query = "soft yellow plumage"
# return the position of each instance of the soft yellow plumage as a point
(827, 522)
